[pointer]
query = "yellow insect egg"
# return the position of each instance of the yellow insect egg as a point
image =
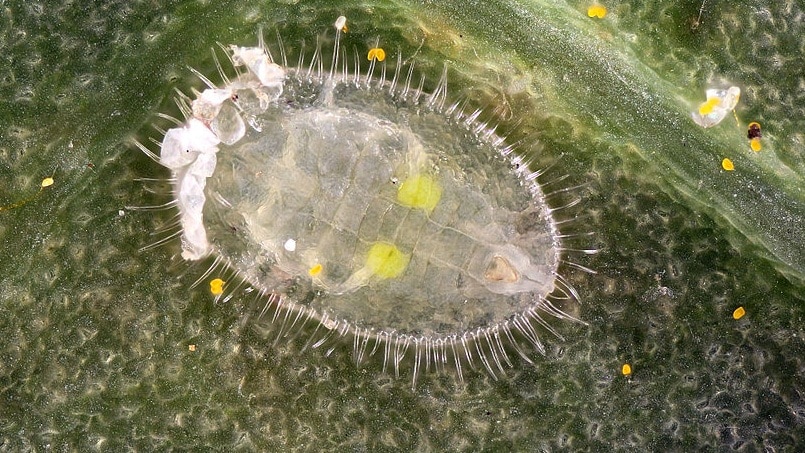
(727, 164)
(596, 10)
(315, 270)
(217, 287)
(755, 144)
(376, 53)
(738, 313)
(626, 369)
(47, 182)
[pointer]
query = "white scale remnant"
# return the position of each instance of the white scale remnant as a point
(190, 150)
(719, 104)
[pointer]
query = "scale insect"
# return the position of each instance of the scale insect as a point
(362, 204)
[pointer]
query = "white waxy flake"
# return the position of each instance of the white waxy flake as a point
(181, 145)
(204, 166)
(190, 193)
(245, 56)
(209, 103)
(270, 74)
(194, 238)
(340, 23)
(228, 125)
(200, 138)
(174, 153)
(190, 152)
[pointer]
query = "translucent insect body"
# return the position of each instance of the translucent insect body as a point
(366, 204)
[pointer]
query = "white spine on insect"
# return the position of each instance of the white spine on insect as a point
(189, 150)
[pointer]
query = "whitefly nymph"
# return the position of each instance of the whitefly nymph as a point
(355, 200)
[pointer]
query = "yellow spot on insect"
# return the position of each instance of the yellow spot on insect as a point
(191, 348)
(738, 313)
(315, 270)
(707, 107)
(386, 261)
(47, 182)
(420, 191)
(597, 10)
(217, 287)
(376, 53)
(727, 164)
(626, 369)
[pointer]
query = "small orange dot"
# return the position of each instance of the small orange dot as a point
(217, 287)
(727, 164)
(755, 144)
(626, 369)
(596, 10)
(315, 270)
(738, 313)
(376, 53)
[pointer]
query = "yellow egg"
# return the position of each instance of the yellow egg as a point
(376, 53)
(315, 270)
(598, 11)
(217, 287)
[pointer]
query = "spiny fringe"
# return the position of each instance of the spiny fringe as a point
(488, 346)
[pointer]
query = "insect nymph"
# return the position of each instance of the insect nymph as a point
(365, 204)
